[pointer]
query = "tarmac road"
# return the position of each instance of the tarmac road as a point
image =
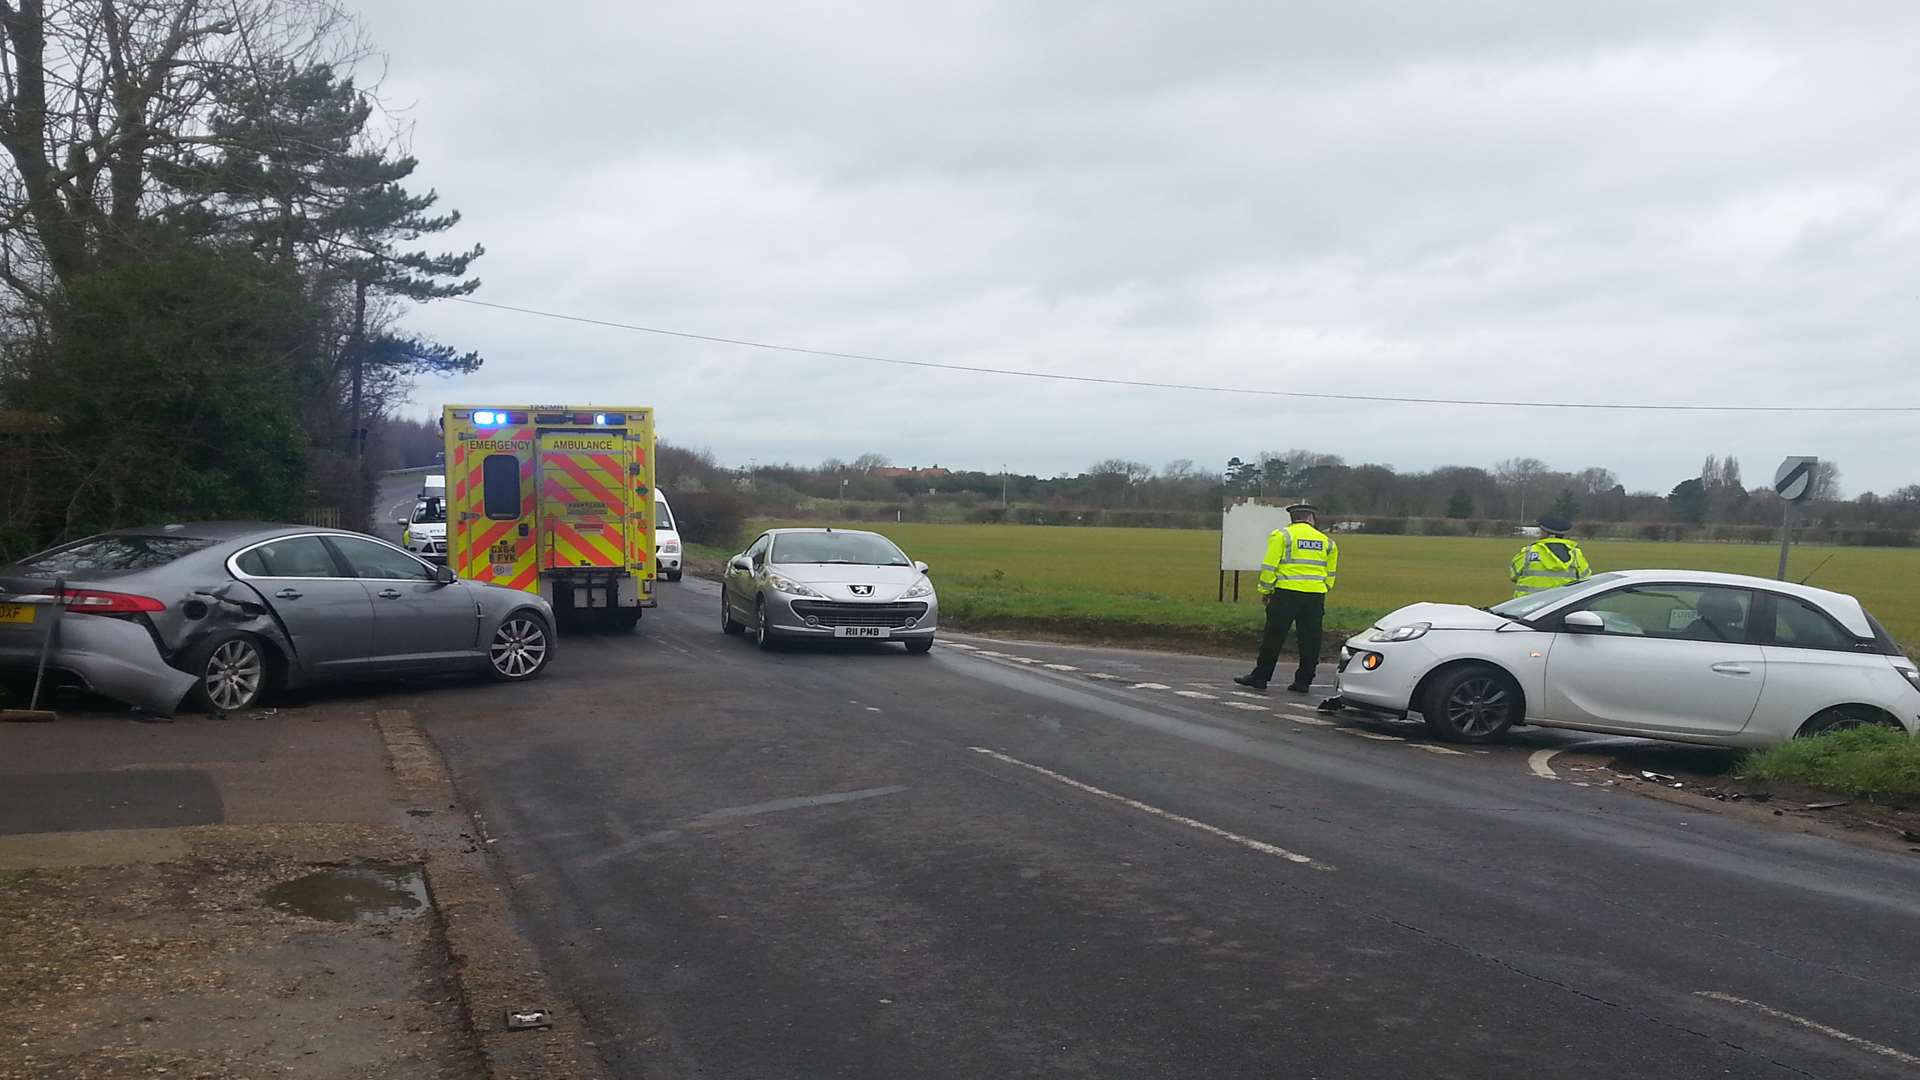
(1012, 860)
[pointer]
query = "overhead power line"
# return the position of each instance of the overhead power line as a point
(1377, 399)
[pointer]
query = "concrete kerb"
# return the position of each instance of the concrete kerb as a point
(494, 964)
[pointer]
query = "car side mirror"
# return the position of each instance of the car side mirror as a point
(401, 521)
(1583, 622)
(445, 575)
(740, 563)
(920, 566)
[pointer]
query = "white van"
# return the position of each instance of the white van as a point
(666, 538)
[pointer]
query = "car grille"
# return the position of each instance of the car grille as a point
(830, 613)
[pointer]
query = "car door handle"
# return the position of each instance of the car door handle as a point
(389, 594)
(289, 594)
(1733, 669)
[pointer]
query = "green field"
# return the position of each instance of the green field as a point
(1161, 583)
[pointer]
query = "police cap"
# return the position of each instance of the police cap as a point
(1302, 509)
(1554, 523)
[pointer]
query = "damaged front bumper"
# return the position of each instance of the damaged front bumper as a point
(111, 657)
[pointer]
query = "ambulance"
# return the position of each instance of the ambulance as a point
(556, 500)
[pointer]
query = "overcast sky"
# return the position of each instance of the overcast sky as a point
(1636, 201)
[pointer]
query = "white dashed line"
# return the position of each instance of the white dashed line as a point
(1060, 667)
(1023, 659)
(1432, 749)
(1314, 720)
(957, 645)
(1247, 705)
(1180, 819)
(1374, 735)
(1812, 1025)
(1103, 676)
(1150, 686)
(1248, 693)
(990, 652)
(1198, 695)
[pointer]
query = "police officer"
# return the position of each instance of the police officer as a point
(1299, 568)
(1551, 561)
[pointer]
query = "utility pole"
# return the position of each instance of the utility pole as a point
(1003, 487)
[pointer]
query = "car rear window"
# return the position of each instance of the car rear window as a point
(114, 553)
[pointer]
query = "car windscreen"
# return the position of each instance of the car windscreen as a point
(116, 554)
(664, 519)
(429, 512)
(1521, 607)
(864, 549)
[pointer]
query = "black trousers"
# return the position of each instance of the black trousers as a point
(1290, 609)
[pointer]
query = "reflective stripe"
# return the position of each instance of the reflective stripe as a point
(1268, 567)
(1293, 561)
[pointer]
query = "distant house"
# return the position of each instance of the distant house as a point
(895, 472)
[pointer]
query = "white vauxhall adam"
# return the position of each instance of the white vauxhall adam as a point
(1721, 659)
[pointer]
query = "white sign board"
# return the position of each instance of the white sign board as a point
(1793, 480)
(1244, 528)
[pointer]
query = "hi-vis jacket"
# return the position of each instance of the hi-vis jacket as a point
(1547, 564)
(1300, 558)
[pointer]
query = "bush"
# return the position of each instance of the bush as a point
(713, 518)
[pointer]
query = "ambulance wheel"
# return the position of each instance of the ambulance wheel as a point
(727, 623)
(520, 647)
(627, 618)
(763, 634)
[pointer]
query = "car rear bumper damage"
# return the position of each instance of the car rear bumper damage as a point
(110, 657)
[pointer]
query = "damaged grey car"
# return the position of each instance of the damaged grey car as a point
(222, 615)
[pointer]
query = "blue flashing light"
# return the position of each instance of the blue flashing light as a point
(600, 419)
(484, 417)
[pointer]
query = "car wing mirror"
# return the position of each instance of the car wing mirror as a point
(1583, 622)
(445, 575)
(740, 563)
(920, 566)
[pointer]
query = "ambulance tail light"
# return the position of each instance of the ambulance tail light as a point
(96, 602)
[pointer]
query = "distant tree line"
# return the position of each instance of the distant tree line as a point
(1716, 502)
(205, 248)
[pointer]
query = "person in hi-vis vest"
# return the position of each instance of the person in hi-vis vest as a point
(1551, 561)
(1295, 577)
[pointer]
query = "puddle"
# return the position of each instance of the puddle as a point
(372, 892)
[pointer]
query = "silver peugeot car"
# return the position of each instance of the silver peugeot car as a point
(828, 583)
(222, 614)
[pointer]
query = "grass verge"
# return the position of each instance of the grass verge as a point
(1871, 763)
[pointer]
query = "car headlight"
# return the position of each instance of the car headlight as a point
(669, 548)
(1912, 675)
(790, 587)
(1401, 633)
(923, 587)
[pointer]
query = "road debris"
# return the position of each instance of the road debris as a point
(1826, 805)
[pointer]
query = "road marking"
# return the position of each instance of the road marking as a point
(1811, 1025)
(989, 652)
(1197, 694)
(1101, 675)
(777, 805)
(1432, 749)
(1247, 705)
(1314, 720)
(1212, 830)
(1248, 693)
(1151, 686)
(1371, 735)
(1023, 659)
(1538, 763)
(957, 645)
(1060, 667)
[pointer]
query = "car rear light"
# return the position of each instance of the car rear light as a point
(95, 602)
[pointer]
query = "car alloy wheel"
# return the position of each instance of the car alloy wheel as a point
(728, 625)
(519, 648)
(762, 632)
(1478, 706)
(234, 675)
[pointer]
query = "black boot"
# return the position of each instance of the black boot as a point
(1250, 682)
